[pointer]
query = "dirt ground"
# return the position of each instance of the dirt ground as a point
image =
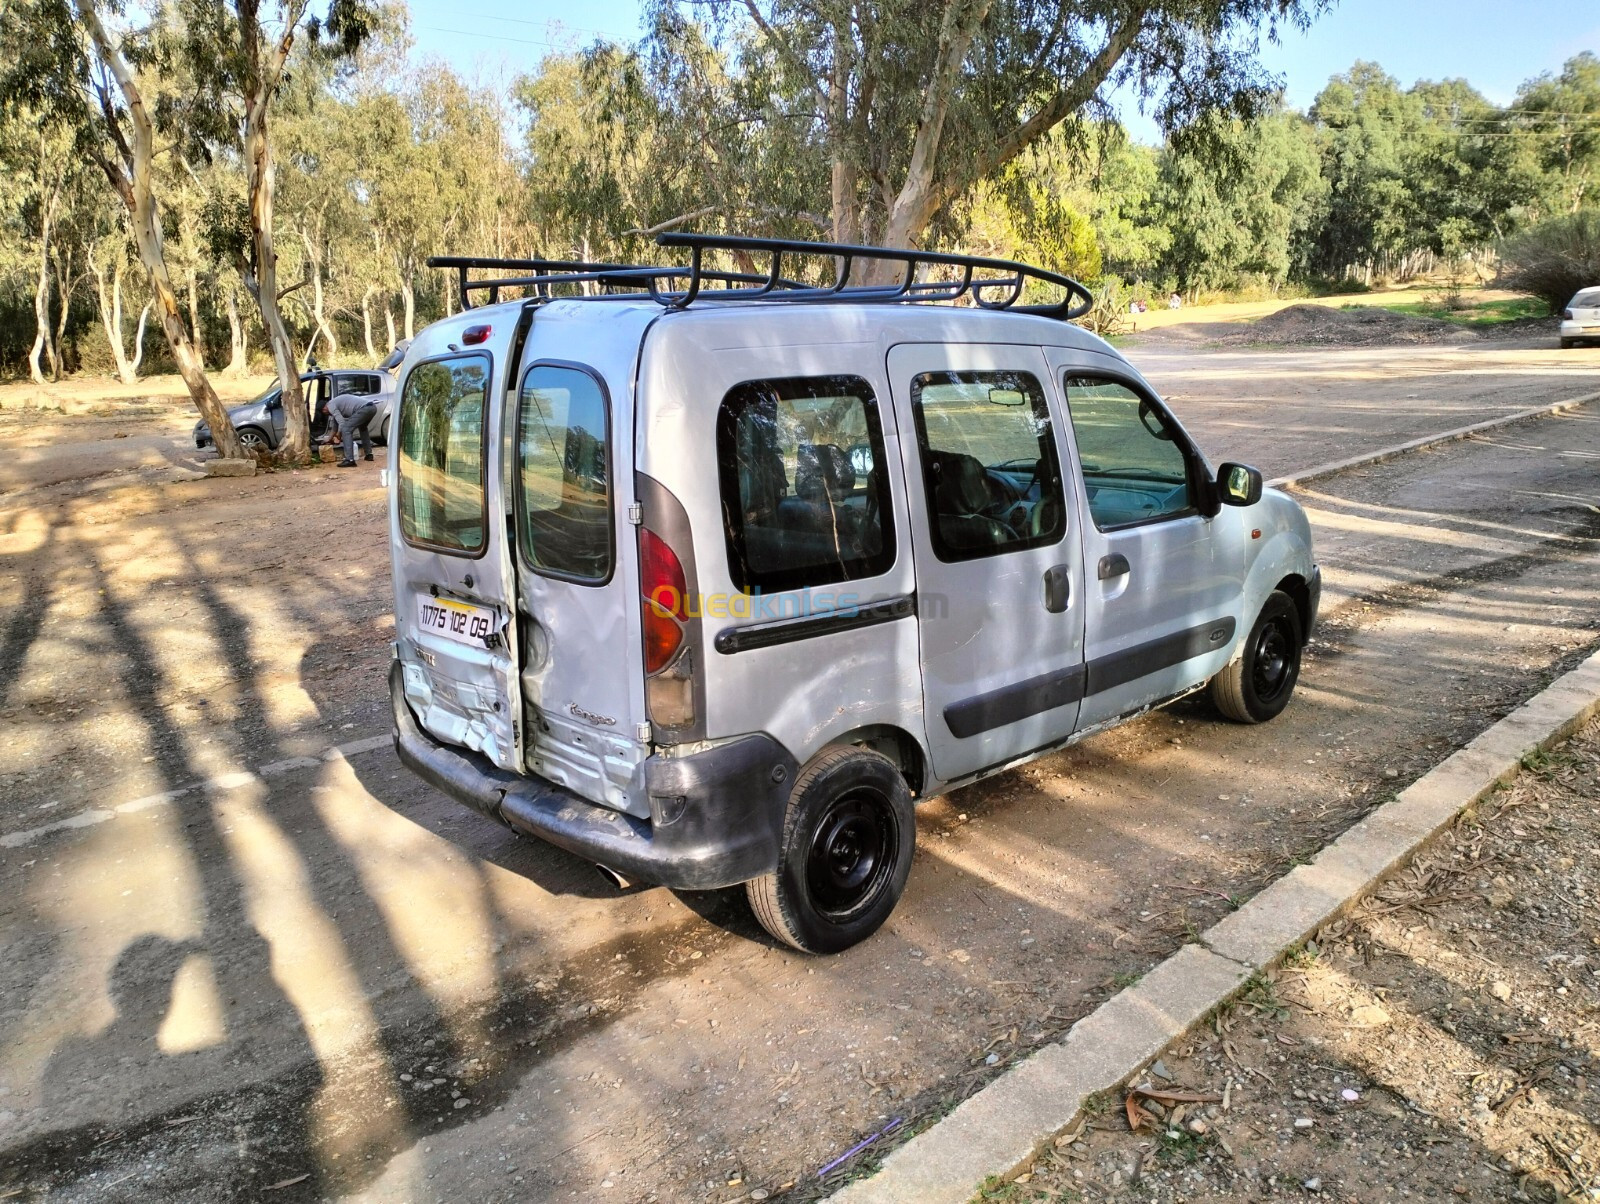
(1441, 1043)
(232, 960)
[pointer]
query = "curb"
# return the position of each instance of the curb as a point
(1426, 441)
(998, 1132)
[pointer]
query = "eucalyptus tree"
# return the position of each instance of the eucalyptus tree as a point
(78, 71)
(238, 55)
(908, 103)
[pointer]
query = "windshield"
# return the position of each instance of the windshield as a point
(1589, 297)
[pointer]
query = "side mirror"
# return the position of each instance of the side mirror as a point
(276, 402)
(1238, 485)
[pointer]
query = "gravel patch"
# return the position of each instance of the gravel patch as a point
(1440, 1043)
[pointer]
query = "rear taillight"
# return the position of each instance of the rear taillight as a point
(1567, 314)
(665, 607)
(668, 665)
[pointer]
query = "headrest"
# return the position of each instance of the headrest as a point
(823, 472)
(960, 483)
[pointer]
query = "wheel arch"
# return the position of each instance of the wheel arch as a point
(895, 743)
(1299, 590)
(266, 435)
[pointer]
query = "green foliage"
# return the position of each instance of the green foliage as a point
(1481, 314)
(1554, 259)
(1560, 116)
(1241, 196)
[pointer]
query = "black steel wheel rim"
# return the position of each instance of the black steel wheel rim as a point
(852, 853)
(1272, 666)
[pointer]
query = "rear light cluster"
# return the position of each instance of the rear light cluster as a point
(665, 609)
(668, 665)
(1567, 314)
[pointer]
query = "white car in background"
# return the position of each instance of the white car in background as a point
(1580, 321)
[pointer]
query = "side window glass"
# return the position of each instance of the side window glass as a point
(1134, 470)
(343, 385)
(563, 475)
(805, 502)
(989, 463)
(441, 454)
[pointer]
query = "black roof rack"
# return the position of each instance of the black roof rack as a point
(995, 284)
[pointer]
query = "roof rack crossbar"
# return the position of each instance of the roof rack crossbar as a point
(991, 284)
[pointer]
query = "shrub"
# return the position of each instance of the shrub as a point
(1554, 259)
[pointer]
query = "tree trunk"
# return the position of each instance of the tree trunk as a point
(366, 321)
(111, 319)
(388, 321)
(136, 187)
(138, 339)
(66, 286)
(319, 313)
(261, 184)
(408, 294)
(41, 296)
(239, 349)
(194, 316)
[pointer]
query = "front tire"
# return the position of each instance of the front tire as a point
(1257, 685)
(848, 835)
(253, 440)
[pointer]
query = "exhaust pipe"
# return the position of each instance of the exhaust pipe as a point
(614, 878)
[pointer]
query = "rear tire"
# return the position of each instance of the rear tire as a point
(1566, 344)
(848, 835)
(1257, 685)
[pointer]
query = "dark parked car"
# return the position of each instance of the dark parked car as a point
(261, 423)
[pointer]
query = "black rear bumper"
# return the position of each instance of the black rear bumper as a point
(716, 816)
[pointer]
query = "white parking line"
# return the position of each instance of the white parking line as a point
(221, 782)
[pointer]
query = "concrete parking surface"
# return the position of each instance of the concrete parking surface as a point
(316, 975)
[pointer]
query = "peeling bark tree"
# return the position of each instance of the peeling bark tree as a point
(63, 65)
(110, 302)
(42, 344)
(239, 56)
(238, 346)
(131, 172)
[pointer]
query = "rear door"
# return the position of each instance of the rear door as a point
(582, 679)
(455, 584)
(999, 567)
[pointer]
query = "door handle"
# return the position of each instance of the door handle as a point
(1057, 588)
(1114, 565)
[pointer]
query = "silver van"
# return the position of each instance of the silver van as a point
(707, 575)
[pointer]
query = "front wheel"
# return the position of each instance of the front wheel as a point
(1256, 685)
(848, 834)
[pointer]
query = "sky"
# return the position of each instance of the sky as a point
(1492, 44)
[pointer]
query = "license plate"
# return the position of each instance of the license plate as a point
(459, 621)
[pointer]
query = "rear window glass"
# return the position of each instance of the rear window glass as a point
(564, 476)
(805, 499)
(441, 454)
(1588, 298)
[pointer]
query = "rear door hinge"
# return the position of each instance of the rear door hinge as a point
(641, 733)
(635, 513)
